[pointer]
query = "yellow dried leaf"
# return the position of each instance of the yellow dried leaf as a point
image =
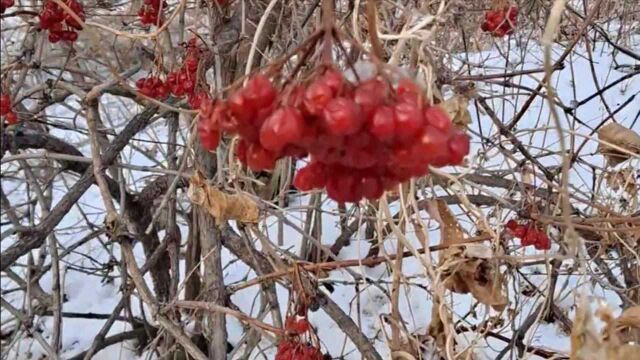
(456, 108)
(624, 179)
(621, 137)
(466, 274)
(628, 325)
(220, 205)
(630, 317)
(588, 344)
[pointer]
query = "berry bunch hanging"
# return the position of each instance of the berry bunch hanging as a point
(153, 87)
(362, 138)
(184, 80)
(179, 83)
(60, 24)
(5, 4)
(291, 349)
(6, 111)
(150, 13)
(500, 22)
(529, 234)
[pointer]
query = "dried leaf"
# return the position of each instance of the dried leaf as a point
(628, 325)
(624, 179)
(621, 137)
(588, 344)
(222, 206)
(461, 272)
(456, 108)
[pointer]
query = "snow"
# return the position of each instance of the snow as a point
(101, 293)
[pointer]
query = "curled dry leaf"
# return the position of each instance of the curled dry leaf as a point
(624, 179)
(628, 325)
(222, 206)
(622, 138)
(456, 108)
(589, 344)
(461, 272)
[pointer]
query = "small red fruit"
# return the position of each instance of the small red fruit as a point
(259, 158)
(259, 91)
(409, 121)
(316, 97)
(285, 126)
(342, 117)
(383, 124)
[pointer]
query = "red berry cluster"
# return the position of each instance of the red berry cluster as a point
(6, 111)
(362, 138)
(529, 234)
(5, 4)
(180, 82)
(61, 25)
(292, 348)
(184, 81)
(501, 22)
(153, 87)
(150, 14)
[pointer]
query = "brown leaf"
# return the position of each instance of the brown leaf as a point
(628, 325)
(462, 273)
(621, 137)
(625, 179)
(220, 205)
(456, 108)
(589, 344)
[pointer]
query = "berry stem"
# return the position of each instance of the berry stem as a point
(328, 19)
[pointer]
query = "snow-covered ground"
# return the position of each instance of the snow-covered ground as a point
(99, 294)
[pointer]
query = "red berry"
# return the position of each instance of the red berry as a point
(240, 107)
(54, 37)
(317, 96)
(209, 134)
(407, 90)
(259, 91)
(459, 147)
(369, 95)
(371, 187)
(259, 158)
(512, 224)
(437, 118)
(310, 177)
(5, 104)
(542, 241)
(520, 231)
(334, 80)
(342, 117)
(11, 118)
(409, 120)
(285, 126)
(383, 124)
(431, 146)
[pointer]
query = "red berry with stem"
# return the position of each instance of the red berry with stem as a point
(316, 97)
(259, 91)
